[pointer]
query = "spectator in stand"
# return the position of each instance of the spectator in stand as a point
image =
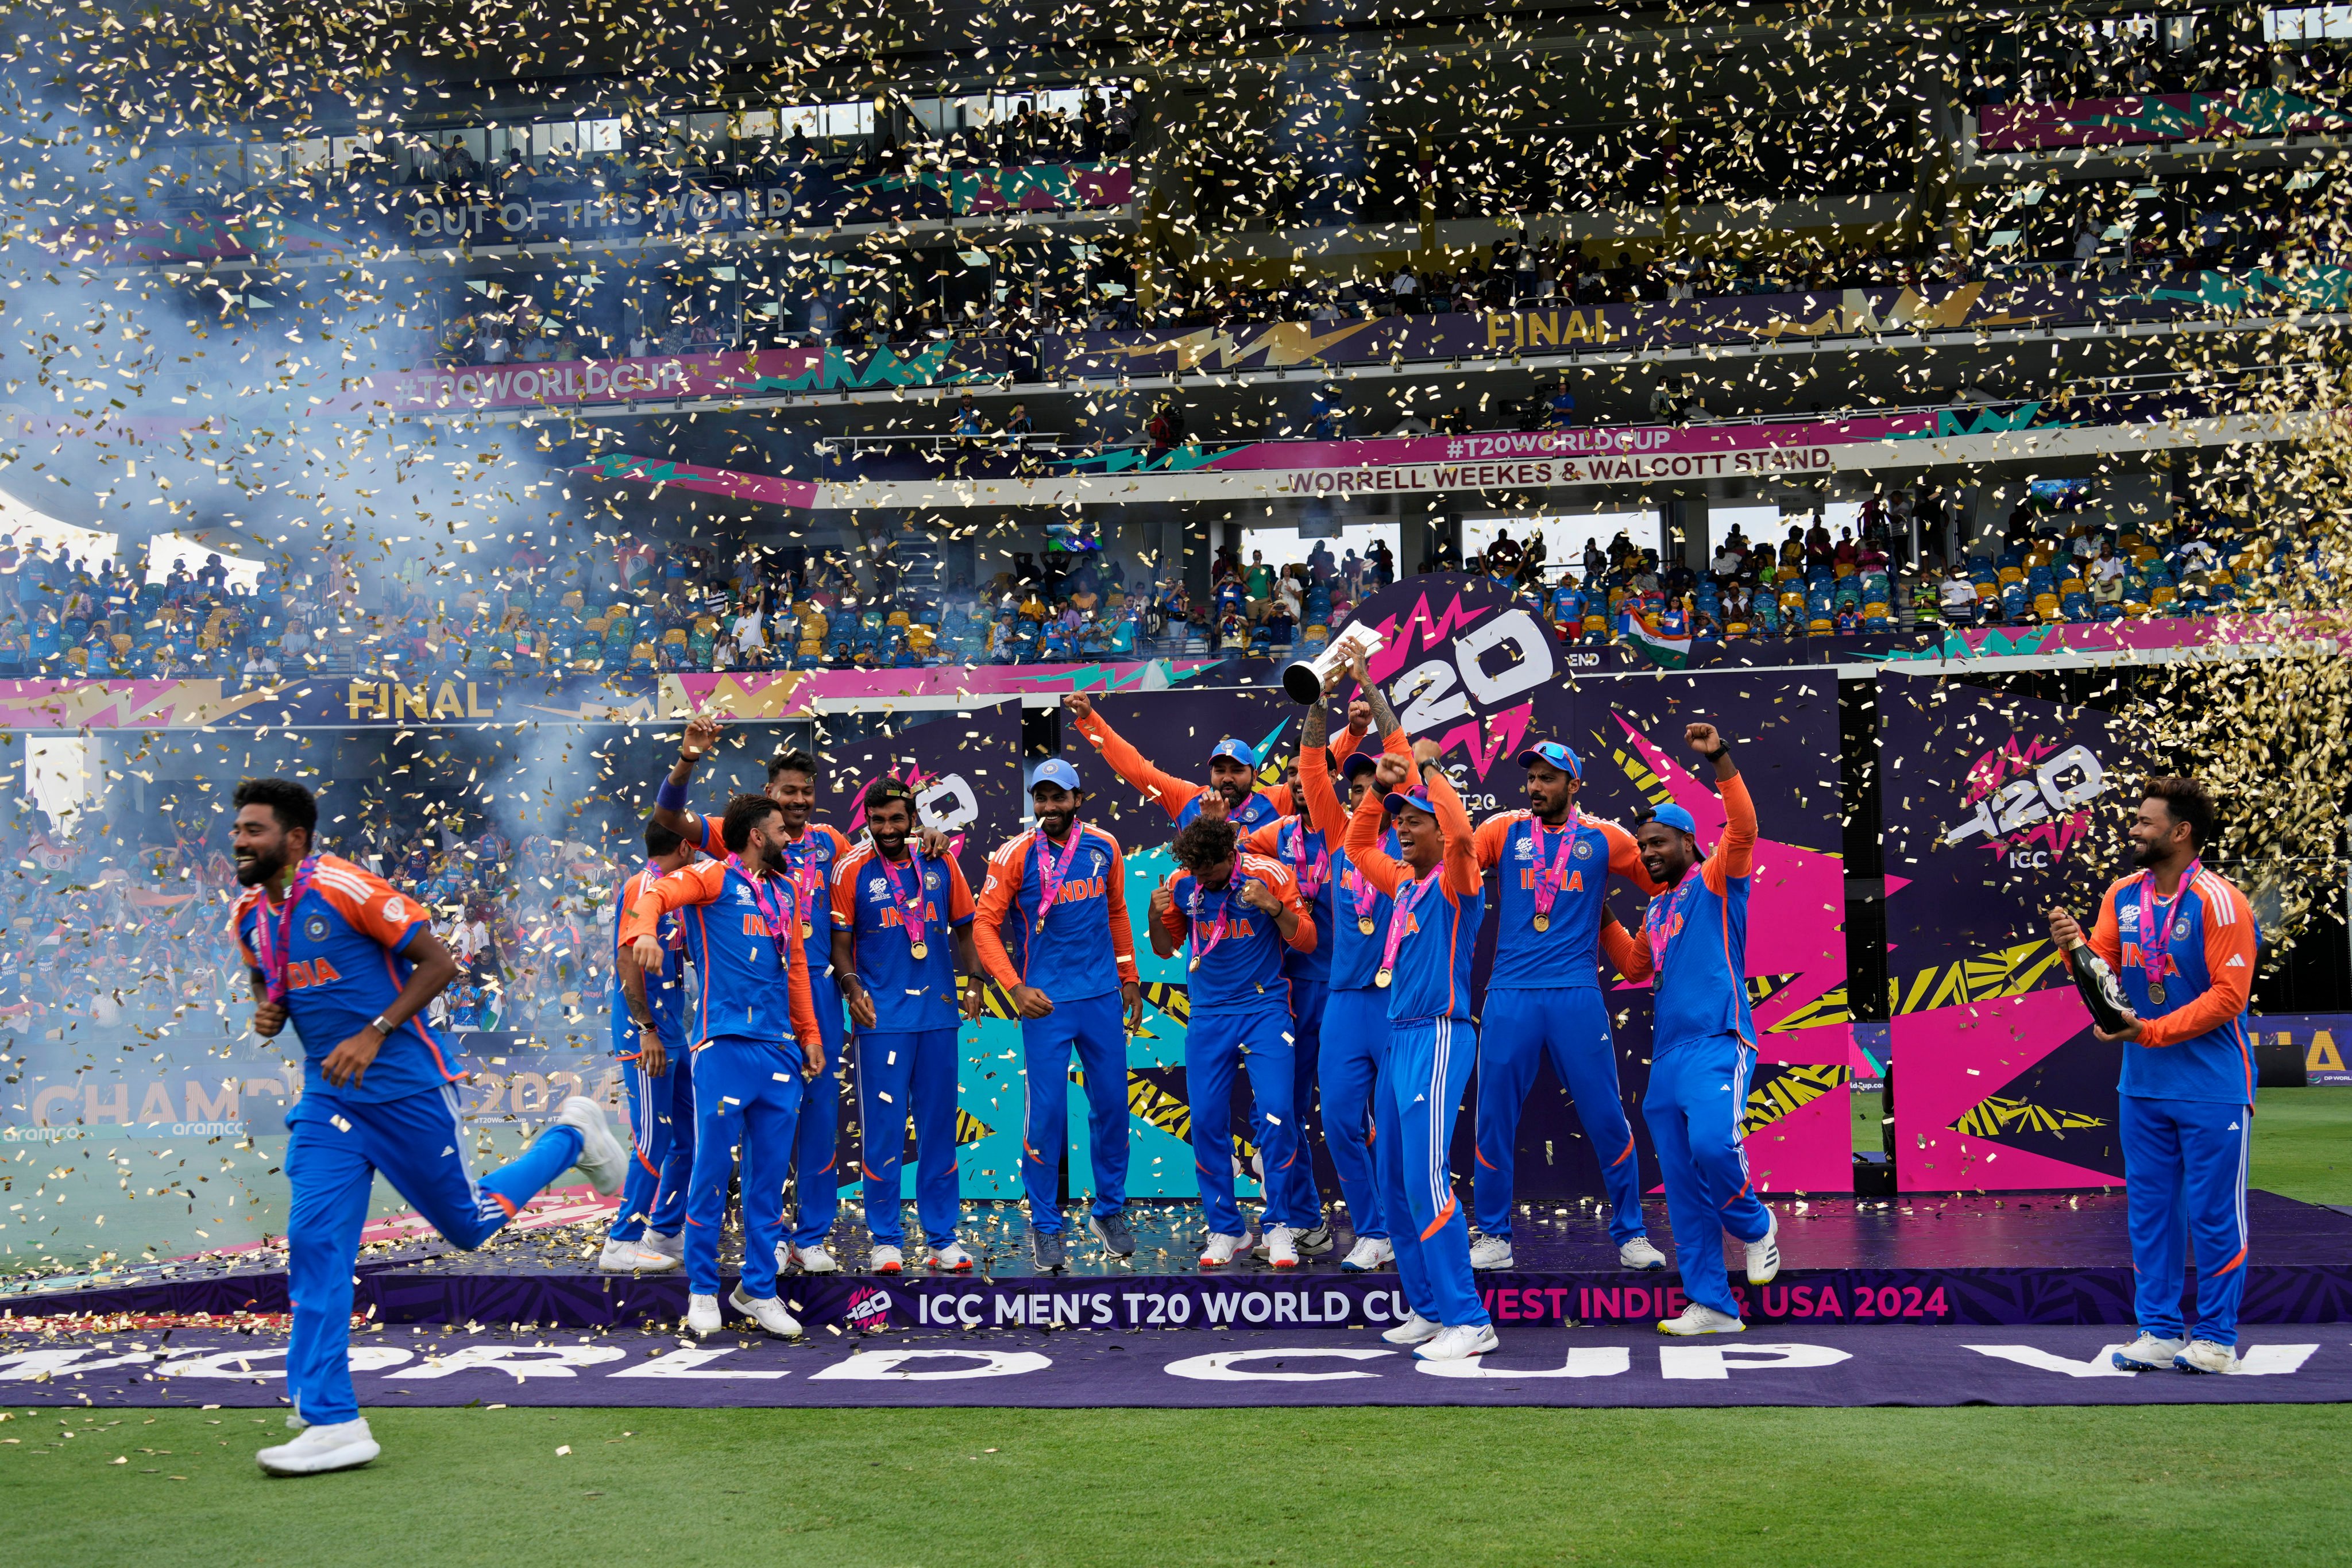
(968, 420)
(1847, 553)
(1728, 562)
(1404, 291)
(1502, 555)
(260, 669)
(1320, 567)
(1119, 123)
(1818, 551)
(1258, 583)
(1383, 564)
(1958, 597)
(1018, 424)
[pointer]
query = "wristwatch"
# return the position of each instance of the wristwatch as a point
(382, 1026)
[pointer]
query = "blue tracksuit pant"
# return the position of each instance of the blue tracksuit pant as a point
(1355, 1035)
(336, 1149)
(661, 1153)
(900, 1074)
(1095, 1028)
(1418, 1097)
(747, 1093)
(1569, 1026)
(1696, 1095)
(2184, 1182)
(1217, 1045)
(816, 1173)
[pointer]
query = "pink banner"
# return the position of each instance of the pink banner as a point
(661, 473)
(2163, 117)
(1601, 441)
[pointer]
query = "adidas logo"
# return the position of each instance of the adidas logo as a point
(2235, 962)
(2233, 1127)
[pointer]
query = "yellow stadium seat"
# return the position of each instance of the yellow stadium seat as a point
(642, 653)
(121, 646)
(572, 600)
(811, 647)
(2073, 585)
(1883, 611)
(1842, 569)
(1819, 628)
(2010, 574)
(2046, 606)
(600, 623)
(675, 635)
(1987, 592)
(2164, 595)
(898, 618)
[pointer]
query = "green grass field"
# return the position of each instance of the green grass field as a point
(857, 1488)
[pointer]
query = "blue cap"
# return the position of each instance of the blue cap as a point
(1359, 762)
(1555, 753)
(1675, 817)
(1237, 750)
(1054, 771)
(1416, 798)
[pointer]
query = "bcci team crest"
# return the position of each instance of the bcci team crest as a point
(315, 928)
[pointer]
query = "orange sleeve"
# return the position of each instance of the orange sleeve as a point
(844, 893)
(1627, 951)
(1364, 851)
(697, 884)
(1486, 843)
(1172, 794)
(237, 929)
(1122, 932)
(372, 905)
(1626, 858)
(960, 904)
(1735, 852)
(2105, 936)
(714, 842)
(1463, 876)
(1346, 744)
(1285, 887)
(2228, 965)
(998, 897)
(620, 902)
(1266, 840)
(1176, 922)
(1324, 812)
(803, 1006)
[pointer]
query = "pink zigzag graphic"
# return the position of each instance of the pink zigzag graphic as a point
(1504, 732)
(1796, 896)
(1397, 645)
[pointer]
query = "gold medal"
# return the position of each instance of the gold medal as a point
(1543, 923)
(1194, 964)
(1383, 977)
(2155, 991)
(1365, 925)
(919, 950)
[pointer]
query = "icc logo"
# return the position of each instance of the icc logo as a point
(875, 889)
(868, 1311)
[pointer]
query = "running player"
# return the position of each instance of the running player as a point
(813, 849)
(2181, 941)
(648, 1235)
(1703, 1041)
(1232, 790)
(341, 955)
(1437, 899)
(1355, 1027)
(1234, 913)
(756, 1044)
(1543, 999)
(895, 912)
(1075, 985)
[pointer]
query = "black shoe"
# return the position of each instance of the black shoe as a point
(1312, 1243)
(1116, 1234)
(1047, 1252)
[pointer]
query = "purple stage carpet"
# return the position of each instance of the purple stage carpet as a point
(1914, 1262)
(1184, 1368)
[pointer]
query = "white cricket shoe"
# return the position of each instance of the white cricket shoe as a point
(1639, 1254)
(702, 1319)
(1221, 1249)
(816, 1260)
(1490, 1252)
(602, 1160)
(2149, 1352)
(766, 1311)
(1369, 1253)
(1698, 1319)
(633, 1257)
(2204, 1355)
(1459, 1342)
(951, 1259)
(668, 1245)
(1764, 1256)
(1280, 1250)
(321, 1448)
(1414, 1330)
(887, 1259)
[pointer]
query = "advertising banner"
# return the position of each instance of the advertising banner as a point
(1468, 666)
(2156, 117)
(1997, 808)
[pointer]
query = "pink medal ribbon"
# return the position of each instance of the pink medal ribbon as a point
(808, 881)
(2156, 928)
(1365, 895)
(1050, 874)
(1201, 950)
(910, 915)
(1310, 874)
(1655, 925)
(275, 947)
(1549, 878)
(779, 922)
(1398, 918)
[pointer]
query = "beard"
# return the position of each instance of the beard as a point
(2144, 857)
(260, 869)
(1057, 824)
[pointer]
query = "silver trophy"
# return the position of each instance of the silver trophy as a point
(1306, 678)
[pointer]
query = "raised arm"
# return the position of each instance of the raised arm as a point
(1735, 852)
(1171, 794)
(1381, 870)
(1463, 875)
(669, 800)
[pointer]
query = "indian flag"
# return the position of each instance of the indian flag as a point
(1671, 653)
